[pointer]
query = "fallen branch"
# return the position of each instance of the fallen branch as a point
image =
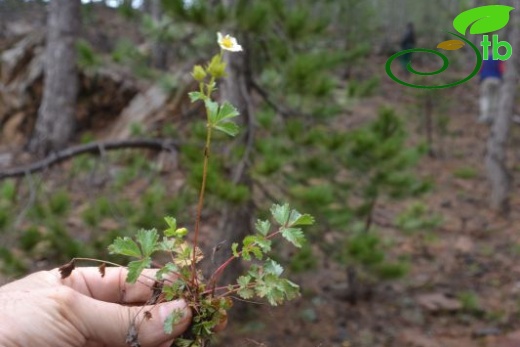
(93, 148)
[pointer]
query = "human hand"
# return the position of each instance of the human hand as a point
(85, 310)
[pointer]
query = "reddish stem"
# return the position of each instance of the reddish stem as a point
(199, 206)
(221, 268)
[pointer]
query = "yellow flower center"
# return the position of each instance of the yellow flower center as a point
(226, 42)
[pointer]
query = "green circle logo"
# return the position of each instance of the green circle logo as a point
(445, 64)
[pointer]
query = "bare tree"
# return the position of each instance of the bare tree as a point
(56, 115)
(495, 160)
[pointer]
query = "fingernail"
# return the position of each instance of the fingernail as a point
(167, 308)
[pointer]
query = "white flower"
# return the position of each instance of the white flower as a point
(229, 43)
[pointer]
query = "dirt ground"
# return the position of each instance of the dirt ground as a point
(463, 289)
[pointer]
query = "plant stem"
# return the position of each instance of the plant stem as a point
(203, 185)
(201, 203)
(213, 280)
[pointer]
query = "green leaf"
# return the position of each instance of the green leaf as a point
(234, 247)
(291, 289)
(167, 269)
(172, 226)
(273, 267)
(263, 226)
(125, 246)
(148, 241)
(243, 281)
(297, 218)
(246, 293)
(264, 244)
(136, 267)
(166, 245)
(173, 290)
(212, 110)
(185, 343)
(196, 96)
(280, 213)
(249, 240)
(257, 252)
(246, 254)
(226, 111)
(483, 19)
(294, 236)
(229, 128)
(172, 222)
(173, 319)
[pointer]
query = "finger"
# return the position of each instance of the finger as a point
(112, 287)
(112, 324)
(221, 326)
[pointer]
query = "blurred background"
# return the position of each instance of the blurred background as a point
(416, 237)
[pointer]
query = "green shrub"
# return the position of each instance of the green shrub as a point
(465, 173)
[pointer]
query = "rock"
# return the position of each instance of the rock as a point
(412, 338)
(464, 244)
(486, 332)
(140, 108)
(510, 340)
(436, 302)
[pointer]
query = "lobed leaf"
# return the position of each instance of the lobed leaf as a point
(226, 111)
(294, 236)
(227, 127)
(263, 227)
(172, 226)
(167, 269)
(272, 267)
(136, 267)
(280, 213)
(234, 247)
(148, 240)
(125, 246)
(243, 281)
(244, 291)
(297, 218)
(196, 96)
(166, 245)
(173, 319)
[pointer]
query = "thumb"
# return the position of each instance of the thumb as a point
(118, 325)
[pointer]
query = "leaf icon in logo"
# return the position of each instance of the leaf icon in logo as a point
(451, 45)
(483, 19)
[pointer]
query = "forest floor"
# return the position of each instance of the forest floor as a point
(463, 288)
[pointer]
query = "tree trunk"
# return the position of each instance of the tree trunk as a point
(496, 146)
(159, 48)
(56, 115)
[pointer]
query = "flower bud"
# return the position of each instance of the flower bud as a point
(198, 73)
(217, 67)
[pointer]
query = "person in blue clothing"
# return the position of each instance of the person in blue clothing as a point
(490, 75)
(407, 42)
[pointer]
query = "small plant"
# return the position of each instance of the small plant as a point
(470, 302)
(209, 301)
(465, 173)
(417, 217)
